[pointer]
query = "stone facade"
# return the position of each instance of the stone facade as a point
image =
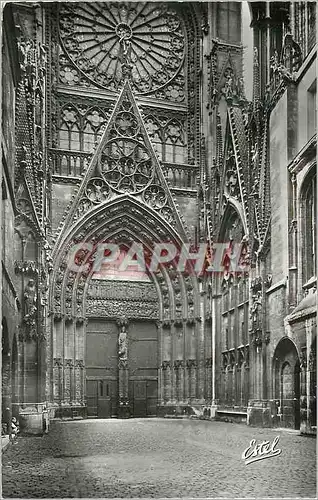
(126, 133)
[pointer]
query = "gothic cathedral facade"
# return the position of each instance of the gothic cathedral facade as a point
(130, 124)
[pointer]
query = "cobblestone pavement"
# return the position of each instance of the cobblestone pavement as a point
(156, 458)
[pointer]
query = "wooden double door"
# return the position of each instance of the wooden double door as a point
(102, 398)
(102, 369)
(143, 396)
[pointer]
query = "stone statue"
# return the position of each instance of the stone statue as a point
(122, 343)
(228, 88)
(256, 310)
(126, 61)
(30, 298)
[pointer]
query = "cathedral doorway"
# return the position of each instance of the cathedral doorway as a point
(121, 349)
(287, 383)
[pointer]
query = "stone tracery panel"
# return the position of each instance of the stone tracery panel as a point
(80, 129)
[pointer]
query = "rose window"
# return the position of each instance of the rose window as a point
(99, 37)
(126, 165)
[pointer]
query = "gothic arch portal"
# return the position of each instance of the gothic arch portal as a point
(233, 317)
(132, 146)
(286, 370)
(85, 306)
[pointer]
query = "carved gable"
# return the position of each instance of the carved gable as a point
(124, 163)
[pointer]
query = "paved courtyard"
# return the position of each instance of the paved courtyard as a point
(156, 458)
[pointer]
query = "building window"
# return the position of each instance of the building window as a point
(310, 228)
(312, 111)
(80, 132)
(311, 6)
(234, 288)
(229, 21)
(305, 25)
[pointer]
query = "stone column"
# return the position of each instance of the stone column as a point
(200, 347)
(187, 382)
(57, 380)
(68, 373)
(166, 371)
(123, 388)
(173, 372)
(303, 389)
(311, 383)
(123, 402)
(181, 376)
(166, 353)
(159, 360)
(78, 381)
(178, 364)
(192, 368)
(208, 378)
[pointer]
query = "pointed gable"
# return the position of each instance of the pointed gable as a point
(125, 163)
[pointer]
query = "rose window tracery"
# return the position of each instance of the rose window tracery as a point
(126, 124)
(97, 191)
(155, 196)
(101, 39)
(126, 165)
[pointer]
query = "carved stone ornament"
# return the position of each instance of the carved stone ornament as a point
(165, 365)
(178, 363)
(191, 363)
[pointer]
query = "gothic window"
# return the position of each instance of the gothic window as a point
(167, 137)
(93, 122)
(311, 110)
(309, 209)
(312, 6)
(99, 45)
(234, 287)
(69, 130)
(98, 36)
(229, 21)
(78, 132)
(305, 25)
(155, 133)
(174, 142)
